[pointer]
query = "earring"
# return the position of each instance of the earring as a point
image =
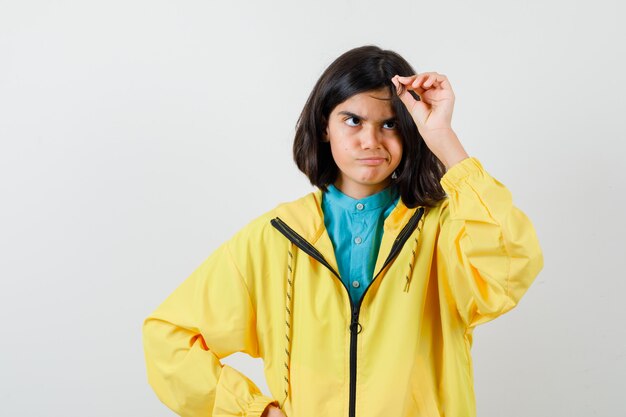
(394, 176)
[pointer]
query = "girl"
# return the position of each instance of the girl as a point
(361, 297)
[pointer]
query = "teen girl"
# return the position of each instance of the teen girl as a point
(361, 297)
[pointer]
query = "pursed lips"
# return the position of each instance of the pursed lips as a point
(369, 158)
(372, 160)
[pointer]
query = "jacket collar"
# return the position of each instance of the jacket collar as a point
(305, 217)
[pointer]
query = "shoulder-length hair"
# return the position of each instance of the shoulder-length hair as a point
(359, 70)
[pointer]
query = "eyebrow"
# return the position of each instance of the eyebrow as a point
(348, 113)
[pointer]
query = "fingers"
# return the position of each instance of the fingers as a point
(423, 81)
(403, 84)
(402, 90)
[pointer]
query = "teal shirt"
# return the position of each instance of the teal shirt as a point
(355, 228)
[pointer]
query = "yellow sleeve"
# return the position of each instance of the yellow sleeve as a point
(208, 317)
(488, 252)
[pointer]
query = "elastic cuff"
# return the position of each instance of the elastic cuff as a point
(459, 171)
(258, 405)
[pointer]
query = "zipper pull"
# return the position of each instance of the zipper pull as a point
(355, 326)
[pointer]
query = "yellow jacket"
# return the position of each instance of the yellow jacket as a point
(272, 291)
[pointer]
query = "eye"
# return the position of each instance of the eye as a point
(353, 121)
(390, 124)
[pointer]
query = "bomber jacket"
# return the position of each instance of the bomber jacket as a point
(273, 291)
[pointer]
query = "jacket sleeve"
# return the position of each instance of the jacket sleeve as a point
(209, 316)
(487, 251)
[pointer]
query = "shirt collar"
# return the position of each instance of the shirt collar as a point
(379, 200)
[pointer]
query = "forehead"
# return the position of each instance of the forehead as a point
(373, 101)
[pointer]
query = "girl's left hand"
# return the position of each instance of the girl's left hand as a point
(433, 111)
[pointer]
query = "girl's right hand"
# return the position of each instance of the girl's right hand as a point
(273, 412)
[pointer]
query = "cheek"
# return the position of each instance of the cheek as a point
(343, 134)
(395, 147)
(339, 150)
(341, 138)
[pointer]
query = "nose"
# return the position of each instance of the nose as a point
(370, 138)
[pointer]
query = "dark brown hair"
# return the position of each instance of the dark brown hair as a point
(358, 70)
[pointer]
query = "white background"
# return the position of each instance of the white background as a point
(136, 136)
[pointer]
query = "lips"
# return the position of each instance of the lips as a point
(368, 157)
(374, 160)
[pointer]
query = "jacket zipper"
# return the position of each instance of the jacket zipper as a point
(355, 326)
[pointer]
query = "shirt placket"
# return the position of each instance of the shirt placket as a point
(358, 280)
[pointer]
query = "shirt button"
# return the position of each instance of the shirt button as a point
(360, 206)
(356, 284)
(358, 240)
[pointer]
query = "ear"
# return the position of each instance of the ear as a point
(325, 137)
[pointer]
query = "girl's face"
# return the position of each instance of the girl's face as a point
(365, 143)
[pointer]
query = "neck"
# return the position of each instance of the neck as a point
(359, 191)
